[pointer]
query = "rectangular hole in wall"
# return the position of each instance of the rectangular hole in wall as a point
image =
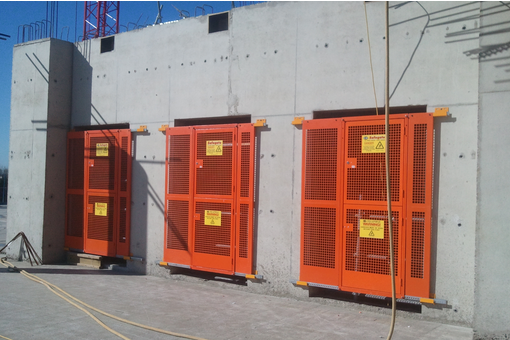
(107, 44)
(323, 114)
(218, 22)
(241, 119)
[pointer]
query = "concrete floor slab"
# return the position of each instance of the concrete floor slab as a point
(31, 311)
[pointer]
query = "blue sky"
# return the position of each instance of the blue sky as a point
(70, 15)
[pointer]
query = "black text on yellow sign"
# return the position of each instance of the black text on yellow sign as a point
(212, 217)
(371, 229)
(102, 149)
(373, 144)
(214, 148)
(100, 209)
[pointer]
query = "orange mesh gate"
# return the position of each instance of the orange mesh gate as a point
(99, 162)
(344, 210)
(209, 197)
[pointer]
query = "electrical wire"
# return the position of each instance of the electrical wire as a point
(370, 54)
(388, 183)
(55, 289)
(3, 337)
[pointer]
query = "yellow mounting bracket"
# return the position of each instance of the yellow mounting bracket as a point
(142, 128)
(163, 128)
(298, 120)
(260, 123)
(441, 112)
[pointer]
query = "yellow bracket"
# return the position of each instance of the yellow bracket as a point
(163, 264)
(298, 120)
(260, 123)
(142, 128)
(163, 128)
(301, 283)
(441, 112)
(425, 300)
(250, 276)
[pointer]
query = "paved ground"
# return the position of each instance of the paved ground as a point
(30, 311)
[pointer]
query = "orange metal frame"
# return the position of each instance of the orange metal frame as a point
(195, 183)
(105, 180)
(342, 186)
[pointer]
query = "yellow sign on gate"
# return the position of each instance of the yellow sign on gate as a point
(371, 229)
(100, 209)
(102, 149)
(214, 148)
(373, 144)
(212, 217)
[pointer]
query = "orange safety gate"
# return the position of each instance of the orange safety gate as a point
(210, 197)
(99, 192)
(344, 239)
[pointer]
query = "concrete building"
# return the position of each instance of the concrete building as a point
(277, 61)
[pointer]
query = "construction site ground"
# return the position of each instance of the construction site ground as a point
(30, 310)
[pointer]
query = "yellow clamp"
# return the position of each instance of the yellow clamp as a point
(260, 123)
(301, 283)
(298, 120)
(441, 112)
(425, 300)
(163, 264)
(142, 128)
(163, 128)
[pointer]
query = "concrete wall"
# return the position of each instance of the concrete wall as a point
(281, 60)
(40, 111)
(492, 279)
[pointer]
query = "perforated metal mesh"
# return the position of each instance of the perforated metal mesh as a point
(75, 215)
(245, 164)
(178, 164)
(177, 224)
(213, 239)
(102, 174)
(124, 164)
(418, 245)
(122, 220)
(75, 163)
(370, 255)
(215, 177)
(321, 164)
(101, 227)
(243, 230)
(367, 182)
(319, 237)
(419, 163)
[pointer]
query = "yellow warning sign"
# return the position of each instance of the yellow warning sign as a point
(102, 149)
(212, 217)
(371, 229)
(100, 209)
(214, 148)
(373, 144)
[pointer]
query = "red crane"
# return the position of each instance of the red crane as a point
(101, 19)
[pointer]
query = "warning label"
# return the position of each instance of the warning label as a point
(214, 148)
(371, 229)
(102, 149)
(373, 144)
(100, 209)
(212, 217)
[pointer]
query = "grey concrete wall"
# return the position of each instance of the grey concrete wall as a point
(278, 61)
(492, 251)
(40, 112)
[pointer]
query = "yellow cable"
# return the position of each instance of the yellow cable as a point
(54, 287)
(370, 55)
(3, 337)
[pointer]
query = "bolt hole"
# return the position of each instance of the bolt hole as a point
(361, 40)
(326, 45)
(275, 51)
(273, 155)
(459, 225)
(271, 211)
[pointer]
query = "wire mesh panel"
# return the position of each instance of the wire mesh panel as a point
(215, 151)
(75, 190)
(320, 201)
(102, 169)
(179, 195)
(367, 180)
(100, 218)
(419, 204)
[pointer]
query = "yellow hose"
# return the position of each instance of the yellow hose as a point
(54, 289)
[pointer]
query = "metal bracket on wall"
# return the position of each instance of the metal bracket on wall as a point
(298, 120)
(441, 112)
(142, 128)
(260, 123)
(163, 128)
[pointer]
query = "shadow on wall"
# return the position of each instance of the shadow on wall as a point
(82, 88)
